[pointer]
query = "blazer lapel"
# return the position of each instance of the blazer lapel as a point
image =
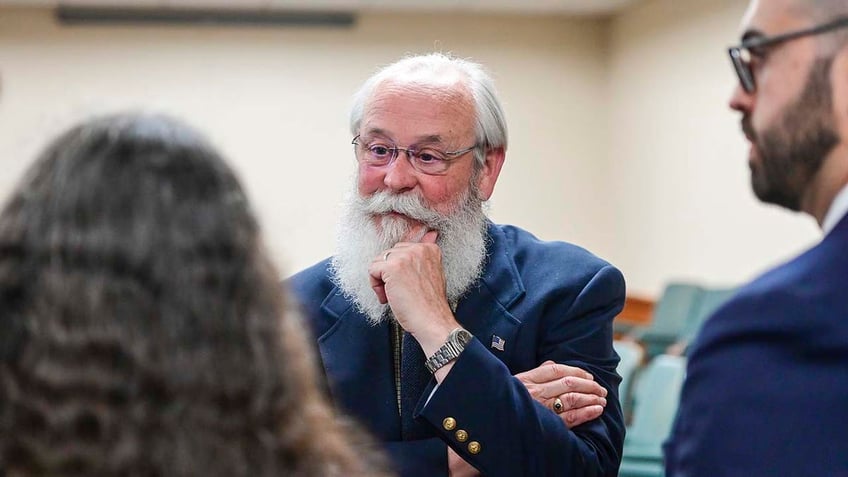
(484, 311)
(352, 350)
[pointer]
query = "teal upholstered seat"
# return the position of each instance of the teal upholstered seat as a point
(655, 401)
(674, 310)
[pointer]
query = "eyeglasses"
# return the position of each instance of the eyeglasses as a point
(742, 54)
(427, 160)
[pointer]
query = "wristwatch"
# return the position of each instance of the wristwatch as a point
(457, 339)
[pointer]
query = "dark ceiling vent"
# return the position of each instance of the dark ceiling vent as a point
(78, 15)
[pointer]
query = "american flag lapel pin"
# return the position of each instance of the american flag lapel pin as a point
(498, 343)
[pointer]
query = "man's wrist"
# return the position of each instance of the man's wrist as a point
(453, 346)
(433, 339)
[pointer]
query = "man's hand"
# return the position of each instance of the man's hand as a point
(582, 398)
(457, 467)
(410, 278)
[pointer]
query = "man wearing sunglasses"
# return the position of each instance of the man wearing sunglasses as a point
(466, 347)
(766, 392)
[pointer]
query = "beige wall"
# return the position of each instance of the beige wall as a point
(276, 101)
(683, 208)
(620, 138)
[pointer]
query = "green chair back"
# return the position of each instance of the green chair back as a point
(631, 355)
(655, 401)
(674, 310)
(711, 299)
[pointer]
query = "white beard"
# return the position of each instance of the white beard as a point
(462, 239)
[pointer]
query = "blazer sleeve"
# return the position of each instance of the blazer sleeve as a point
(515, 435)
(420, 458)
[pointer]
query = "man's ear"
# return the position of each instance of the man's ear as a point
(490, 172)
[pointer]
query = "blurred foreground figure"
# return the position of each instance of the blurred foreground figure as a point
(142, 331)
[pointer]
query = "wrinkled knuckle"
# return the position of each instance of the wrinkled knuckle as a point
(573, 399)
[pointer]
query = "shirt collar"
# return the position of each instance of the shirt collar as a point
(838, 209)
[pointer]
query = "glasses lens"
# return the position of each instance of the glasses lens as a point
(742, 65)
(377, 154)
(429, 161)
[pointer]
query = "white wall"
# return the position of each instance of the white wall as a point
(276, 102)
(683, 207)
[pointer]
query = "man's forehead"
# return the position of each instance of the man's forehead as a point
(453, 92)
(378, 132)
(772, 17)
(434, 113)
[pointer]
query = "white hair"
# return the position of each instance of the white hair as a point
(429, 71)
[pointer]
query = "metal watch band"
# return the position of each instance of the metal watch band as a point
(449, 351)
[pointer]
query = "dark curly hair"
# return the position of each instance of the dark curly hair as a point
(144, 331)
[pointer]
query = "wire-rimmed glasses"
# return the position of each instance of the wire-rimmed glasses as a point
(424, 159)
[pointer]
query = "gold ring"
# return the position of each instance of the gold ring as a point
(558, 406)
(386, 255)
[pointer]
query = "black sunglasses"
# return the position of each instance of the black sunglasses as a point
(740, 55)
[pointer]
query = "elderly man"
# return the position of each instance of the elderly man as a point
(468, 348)
(767, 383)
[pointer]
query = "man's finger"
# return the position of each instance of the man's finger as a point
(571, 384)
(415, 234)
(583, 415)
(430, 237)
(551, 371)
(377, 284)
(572, 401)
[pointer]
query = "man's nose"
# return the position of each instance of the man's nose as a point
(400, 175)
(741, 100)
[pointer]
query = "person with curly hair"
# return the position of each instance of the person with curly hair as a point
(143, 328)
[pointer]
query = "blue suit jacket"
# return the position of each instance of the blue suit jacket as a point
(546, 300)
(767, 387)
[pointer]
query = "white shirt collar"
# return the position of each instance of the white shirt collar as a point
(838, 209)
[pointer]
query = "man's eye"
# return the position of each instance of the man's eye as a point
(379, 150)
(757, 53)
(429, 156)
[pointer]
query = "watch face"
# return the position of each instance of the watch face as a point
(463, 337)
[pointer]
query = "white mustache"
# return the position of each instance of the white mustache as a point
(410, 204)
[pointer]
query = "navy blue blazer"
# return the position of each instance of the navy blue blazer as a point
(766, 392)
(545, 300)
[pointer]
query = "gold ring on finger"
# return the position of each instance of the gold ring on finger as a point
(558, 407)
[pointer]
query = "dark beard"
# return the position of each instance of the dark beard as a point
(792, 152)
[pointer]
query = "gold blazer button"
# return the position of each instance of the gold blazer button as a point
(449, 423)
